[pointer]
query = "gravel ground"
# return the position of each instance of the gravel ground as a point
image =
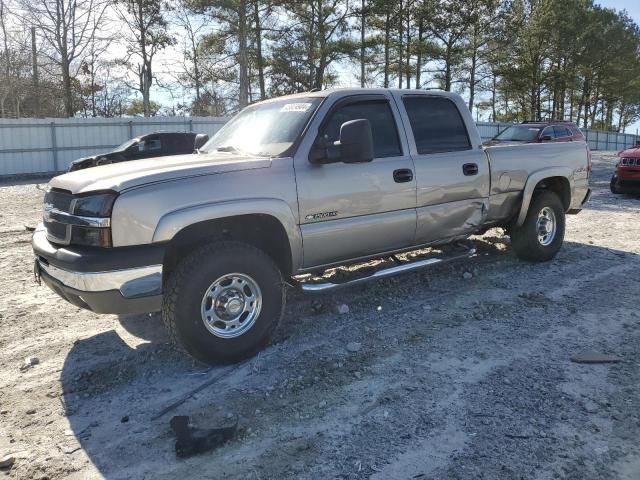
(445, 376)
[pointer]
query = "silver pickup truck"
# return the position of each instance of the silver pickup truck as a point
(290, 188)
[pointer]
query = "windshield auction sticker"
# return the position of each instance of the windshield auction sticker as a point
(296, 107)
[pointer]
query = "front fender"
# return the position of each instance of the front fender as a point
(533, 180)
(171, 223)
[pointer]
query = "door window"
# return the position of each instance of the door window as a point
(386, 142)
(437, 125)
(548, 132)
(560, 132)
(151, 144)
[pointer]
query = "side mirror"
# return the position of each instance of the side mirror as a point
(355, 145)
(356, 141)
(200, 140)
(545, 138)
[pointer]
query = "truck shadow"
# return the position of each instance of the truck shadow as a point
(113, 388)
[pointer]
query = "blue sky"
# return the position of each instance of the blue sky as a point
(631, 6)
(633, 9)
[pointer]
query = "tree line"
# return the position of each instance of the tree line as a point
(512, 60)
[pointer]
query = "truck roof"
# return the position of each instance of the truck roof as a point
(351, 91)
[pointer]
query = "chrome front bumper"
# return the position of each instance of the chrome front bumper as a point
(103, 281)
(131, 283)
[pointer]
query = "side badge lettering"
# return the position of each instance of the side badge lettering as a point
(317, 216)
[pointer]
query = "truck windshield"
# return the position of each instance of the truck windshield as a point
(267, 129)
(125, 145)
(518, 134)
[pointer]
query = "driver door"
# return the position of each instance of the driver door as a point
(354, 210)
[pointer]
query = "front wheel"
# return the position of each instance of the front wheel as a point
(541, 235)
(223, 302)
(613, 184)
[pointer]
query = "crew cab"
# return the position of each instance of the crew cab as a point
(157, 144)
(287, 189)
(626, 178)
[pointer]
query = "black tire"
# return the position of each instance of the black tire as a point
(612, 184)
(524, 239)
(186, 287)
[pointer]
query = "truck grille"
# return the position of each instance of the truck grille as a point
(630, 162)
(55, 230)
(59, 200)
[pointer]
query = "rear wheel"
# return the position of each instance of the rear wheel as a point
(223, 302)
(541, 235)
(612, 184)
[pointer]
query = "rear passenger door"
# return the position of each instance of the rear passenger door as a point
(452, 171)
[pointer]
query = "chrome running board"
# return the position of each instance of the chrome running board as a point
(385, 272)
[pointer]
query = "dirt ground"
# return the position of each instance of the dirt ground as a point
(446, 376)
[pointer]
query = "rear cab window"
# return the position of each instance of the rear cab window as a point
(437, 125)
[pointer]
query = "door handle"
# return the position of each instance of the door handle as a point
(402, 175)
(470, 169)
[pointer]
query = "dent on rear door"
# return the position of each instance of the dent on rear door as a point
(451, 219)
(451, 200)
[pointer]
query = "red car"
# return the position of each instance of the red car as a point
(538, 132)
(626, 179)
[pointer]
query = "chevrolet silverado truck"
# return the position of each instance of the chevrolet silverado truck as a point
(290, 188)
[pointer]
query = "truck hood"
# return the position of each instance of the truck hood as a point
(633, 152)
(126, 175)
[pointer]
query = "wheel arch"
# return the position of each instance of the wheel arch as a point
(558, 180)
(268, 225)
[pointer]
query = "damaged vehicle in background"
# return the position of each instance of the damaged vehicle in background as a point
(289, 189)
(151, 145)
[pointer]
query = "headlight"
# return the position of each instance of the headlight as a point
(91, 236)
(79, 220)
(96, 205)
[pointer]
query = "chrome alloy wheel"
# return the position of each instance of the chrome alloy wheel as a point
(231, 305)
(546, 226)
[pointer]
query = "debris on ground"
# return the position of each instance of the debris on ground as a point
(342, 309)
(467, 275)
(354, 347)
(7, 461)
(30, 362)
(594, 357)
(191, 440)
